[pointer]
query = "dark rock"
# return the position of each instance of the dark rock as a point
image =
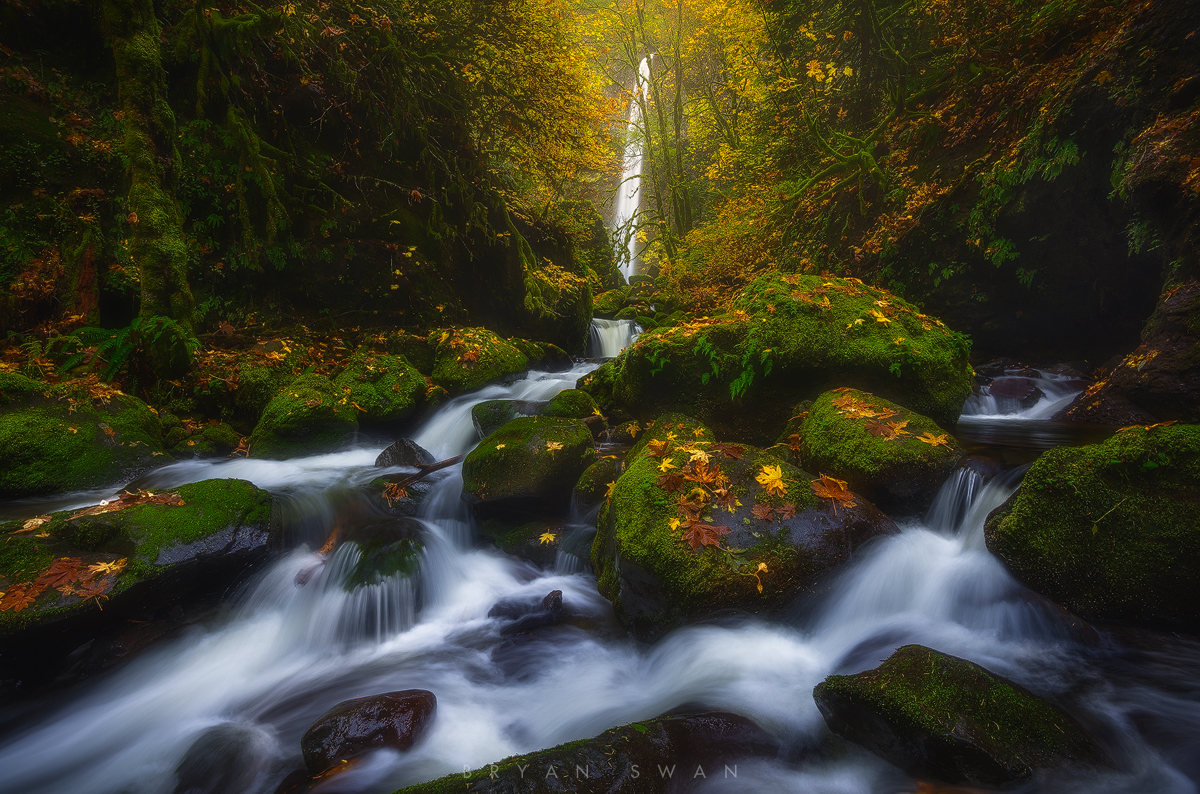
(490, 415)
(1023, 390)
(404, 452)
(529, 614)
(523, 539)
(939, 716)
(626, 758)
(393, 719)
(225, 759)
(408, 506)
(593, 484)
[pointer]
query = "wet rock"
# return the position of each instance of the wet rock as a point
(625, 758)
(1160, 380)
(62, 438)
(225, 759)
(939, 716)
(385, 390)
(394, 720)
(527, 466)
(144, 556)
(571, 404)
(388, 548)
(404, 452)
(654, 578)
(212, 440)
(408, 506)
(1024, 390)
(592, 486)
(875, 446)
(525, 539)
(468, 358)
(527, 615)
(1111, 531)
(785, 341)
(308, 417)
(491, 415)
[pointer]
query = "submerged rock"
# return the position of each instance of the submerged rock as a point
(386, 390)
(896, 458)
(524, 539)
(388, 548)
(528, 465)
(626, 758)
(404, 452)
(66, 576)
(394, 720)
(468, 358)
(63, 438)
(939, 716)
(225, 759)
(772, 542)
(1111, 531)
(308, 417)
(788, 338)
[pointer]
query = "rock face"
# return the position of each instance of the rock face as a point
(939, 716)
(386, 390)
(56, 573)
(56, 438)
(529, 464)
(1160, 380)
(404, 452)
(787, 339)
(626, 758)
(776, 540)
(1111, 531)
(393, 719)
(876, 446)
(468, 358)
(308, 417)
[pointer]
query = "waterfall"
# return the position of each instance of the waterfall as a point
(1050, 394)
(609, 337)
(629, 196)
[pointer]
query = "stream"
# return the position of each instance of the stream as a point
(252, 679)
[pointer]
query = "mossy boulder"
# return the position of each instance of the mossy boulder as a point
(308, 417)
(524, 539)
(222, 528)
(593, 484)
(895, 457)
(490, 415)
(384, 549)
(786, 339)
(943, 717)
(468, 358)
(213, 440)
(1111, 531)
(416, 349)
(778, 540)
(542, 355)
(529, 464)
(571, 404)
(607, 304)
(63, 438)
(385, 390)
(623, 758)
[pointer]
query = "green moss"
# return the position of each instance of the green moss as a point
(1111, 531)
(55, 440)
(571, 404)
(607, 304)
(383, 557)
(593, 484)
(257, 385)
(415, 348)
(468, 358)
(384, 389)
(490, 415)
(519, 460)
(672, 427)
(307, 417)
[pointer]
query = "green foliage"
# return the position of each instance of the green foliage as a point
(141, 342)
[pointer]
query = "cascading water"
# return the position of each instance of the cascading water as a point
(608, 338)
(1040, 397)
(629, 195)
(283, 653)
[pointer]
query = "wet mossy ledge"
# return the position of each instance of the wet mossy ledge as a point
(69, 437)
(773, 535)
(136, 558)
(895, 457)
(939, 716)
(1111, 531)
(786, 339)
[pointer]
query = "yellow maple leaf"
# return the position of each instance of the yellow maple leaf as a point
(666, 465)
(879, 316)
(500, 446)
(932, 440)
(612, 486)
(553, 445)
(547, 538)
(106, 568)
(771, 479)
(673, 523)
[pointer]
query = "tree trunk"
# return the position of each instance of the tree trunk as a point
(156, 226)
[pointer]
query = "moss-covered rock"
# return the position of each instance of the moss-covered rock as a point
(524, 539)
(607, 304)
(468, 358)
(1111, 531)
(939, 716)
(386, 390)
(64, 438)
(531, 463)
(542, 355)
(308, 417)
(778, 540)
(156, 553)
(385, 549)
(415, 348)
(490, 415)
(592, 487)
(896, 458)
(789, 338)
(621, 758)
(571, 404)
(214, 440)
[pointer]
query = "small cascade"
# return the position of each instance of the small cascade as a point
(609, 337)
(630, 196)
(1022, 397)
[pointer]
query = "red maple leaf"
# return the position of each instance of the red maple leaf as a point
(786, 511)
(670, 482)
(698, 534)
(763, 512)
(64, 570)
(728, 450)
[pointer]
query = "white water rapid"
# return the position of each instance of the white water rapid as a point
(629, 194)
(281, 654)
(609, 337)
(1054, 392)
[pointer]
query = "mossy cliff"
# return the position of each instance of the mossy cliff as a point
(939, 716)
(62, 438)
(1111, 531)
(895, 457)
(788, 338)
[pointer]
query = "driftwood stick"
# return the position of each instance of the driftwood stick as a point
(405, 480)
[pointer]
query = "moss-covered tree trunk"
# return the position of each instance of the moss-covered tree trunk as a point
(156, 239)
